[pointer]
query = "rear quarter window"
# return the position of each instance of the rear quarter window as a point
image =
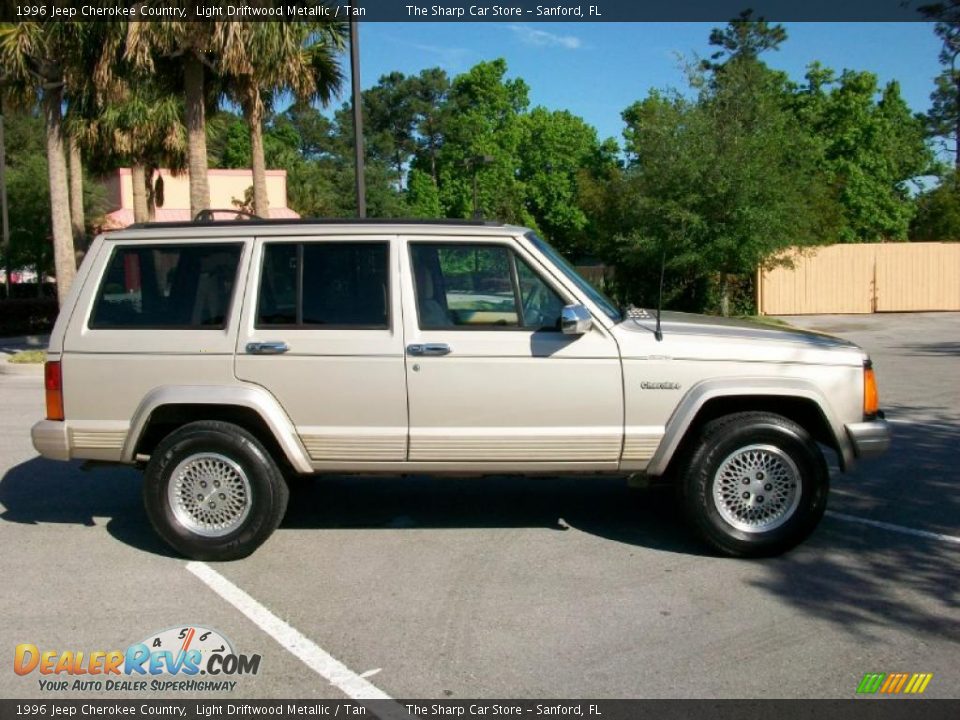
(177, 287)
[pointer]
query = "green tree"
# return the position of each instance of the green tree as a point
(871, 145)
(483, 120)
(38, 63)
(200, 49)
(390, 113)
(422, 196)
(938, 212)
(431, 89)
(555, 147)
(300, 57)
(943, 118)
(28, 192)
(718, 186)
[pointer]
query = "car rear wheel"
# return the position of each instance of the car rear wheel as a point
(213, 492)
(756, 484)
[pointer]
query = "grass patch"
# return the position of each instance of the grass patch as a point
(29, 356)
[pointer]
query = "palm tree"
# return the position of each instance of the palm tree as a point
(35, 66)
(300, 57)
(141, 128)
(199, 48)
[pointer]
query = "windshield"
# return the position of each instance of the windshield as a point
(597, 297)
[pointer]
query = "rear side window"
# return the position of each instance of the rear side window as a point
(182, 287)
(332, 285)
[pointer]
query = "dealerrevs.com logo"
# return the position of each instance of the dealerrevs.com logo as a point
(188, 658)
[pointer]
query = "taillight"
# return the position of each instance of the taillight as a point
(871, 398)
(53, 383)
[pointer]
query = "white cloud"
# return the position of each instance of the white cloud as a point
(542, 38)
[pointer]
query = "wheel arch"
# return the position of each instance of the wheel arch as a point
(794, 399)
(250, 407)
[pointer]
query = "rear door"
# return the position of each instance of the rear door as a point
(321, 331)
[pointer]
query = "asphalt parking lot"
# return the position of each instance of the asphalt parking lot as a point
(420, 588)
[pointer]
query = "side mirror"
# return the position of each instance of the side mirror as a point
(575, 320)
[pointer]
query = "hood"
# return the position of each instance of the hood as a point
(678, 323)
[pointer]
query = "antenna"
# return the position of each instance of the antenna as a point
(658, 333)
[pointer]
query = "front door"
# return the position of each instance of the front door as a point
(322, 333)
(493, 383)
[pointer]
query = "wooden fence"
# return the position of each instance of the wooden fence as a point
(864, 278)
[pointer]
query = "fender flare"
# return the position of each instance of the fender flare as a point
(707, 390)
(247, 396)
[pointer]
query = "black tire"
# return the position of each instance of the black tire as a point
(267, 492)
(788, 449)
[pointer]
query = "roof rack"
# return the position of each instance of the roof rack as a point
(204, 220)
(210, 214)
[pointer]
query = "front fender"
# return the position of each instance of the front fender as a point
(707, 390)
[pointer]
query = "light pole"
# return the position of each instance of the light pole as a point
(357, 119)
(474, 163)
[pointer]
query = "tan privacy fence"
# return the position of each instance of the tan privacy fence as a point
(865, 278)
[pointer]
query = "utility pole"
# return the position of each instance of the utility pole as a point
(357, 119)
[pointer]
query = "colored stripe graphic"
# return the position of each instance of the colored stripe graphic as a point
(894, 683)
(871, 683)
(918, 683)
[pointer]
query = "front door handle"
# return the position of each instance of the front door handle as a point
(429, 349)
(267, 348)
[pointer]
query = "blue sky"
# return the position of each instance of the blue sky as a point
(595, 70)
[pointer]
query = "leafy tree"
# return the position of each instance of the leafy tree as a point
(390, 113)
(938, 212)
(422, 196)
(483, 122)
(37, 62)
(717, 186)
(944, 116)
(301, 57)
(744, 39)
(28, 191)
(555, 146)
(200, 48)
(871, 148)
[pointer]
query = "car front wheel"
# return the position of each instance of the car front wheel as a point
(756, 484)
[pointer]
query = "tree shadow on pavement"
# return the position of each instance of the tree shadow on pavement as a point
(45, 491)
(928, 349)
(867, 580)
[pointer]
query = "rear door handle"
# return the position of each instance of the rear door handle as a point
(267, 348)
(429, 349)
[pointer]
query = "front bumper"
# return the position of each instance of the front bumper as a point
(870, 438)
(50, 439)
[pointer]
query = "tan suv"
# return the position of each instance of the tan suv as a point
(224, 357)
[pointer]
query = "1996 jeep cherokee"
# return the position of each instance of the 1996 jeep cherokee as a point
(226, 356)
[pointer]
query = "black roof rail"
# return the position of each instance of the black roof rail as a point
(255, 220)
(209, 214)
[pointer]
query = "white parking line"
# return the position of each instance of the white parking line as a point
(291, 639)
(894, 528)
